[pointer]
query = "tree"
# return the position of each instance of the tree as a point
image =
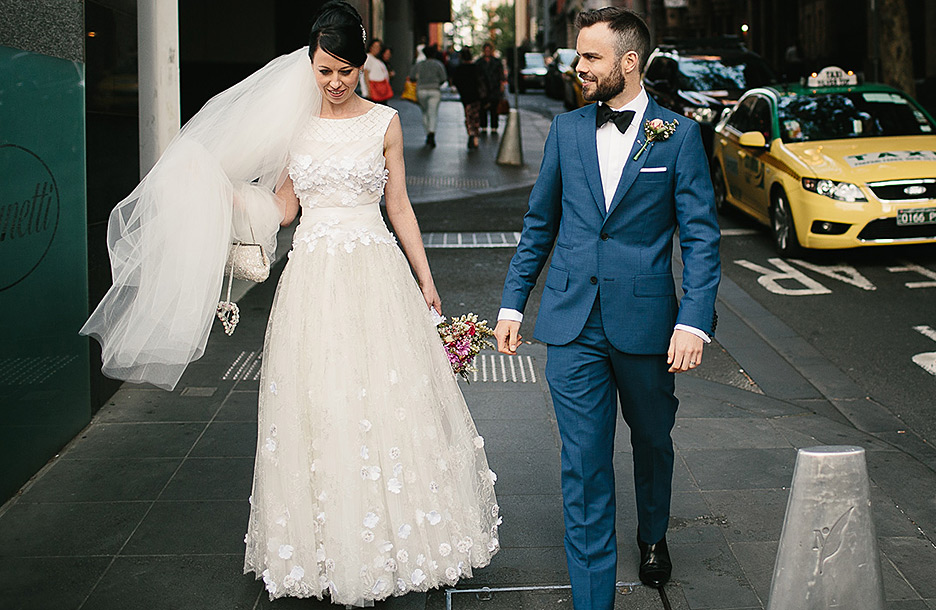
(895, 49)
(501, 27)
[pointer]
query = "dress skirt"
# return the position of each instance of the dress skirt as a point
(370, 477)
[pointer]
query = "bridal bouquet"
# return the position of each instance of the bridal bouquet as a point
(463, 338)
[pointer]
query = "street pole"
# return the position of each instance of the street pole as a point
(158, 65)
(510, 151)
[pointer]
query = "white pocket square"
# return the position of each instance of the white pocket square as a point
(652, 169)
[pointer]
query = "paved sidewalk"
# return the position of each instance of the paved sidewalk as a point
(147, 508)
(452, 171)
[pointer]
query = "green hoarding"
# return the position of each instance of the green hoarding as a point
(44, 393)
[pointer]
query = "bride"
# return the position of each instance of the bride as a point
(370, 478)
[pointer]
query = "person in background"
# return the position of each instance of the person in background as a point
(376, 77)
(452, 59)
(469, 81)
(493, 71)
(385, 56)
(429, 75)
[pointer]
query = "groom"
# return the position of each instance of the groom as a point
(610, 202)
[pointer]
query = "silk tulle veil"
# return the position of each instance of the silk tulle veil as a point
(169, 239)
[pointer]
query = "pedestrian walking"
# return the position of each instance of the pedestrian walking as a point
(386, 54)
(376, 77)
(429, 76)
(470, 83)
(618, 178)
(370, 479)
(493, 70)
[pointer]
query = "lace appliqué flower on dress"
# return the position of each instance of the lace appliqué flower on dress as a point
(350, 177)
(334, 237)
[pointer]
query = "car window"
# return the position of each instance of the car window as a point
(741, 117)
(534, 60)
(852, 114)
(566, 56)
(760, 118)
(656, 70)
(718, 73)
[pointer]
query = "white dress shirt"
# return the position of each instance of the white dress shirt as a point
(614, 148)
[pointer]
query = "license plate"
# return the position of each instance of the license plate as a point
(920, 216)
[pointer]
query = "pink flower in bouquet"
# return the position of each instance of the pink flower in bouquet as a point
(463, 338)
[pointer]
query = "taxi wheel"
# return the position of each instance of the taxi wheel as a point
(782, 226)
(718, 184)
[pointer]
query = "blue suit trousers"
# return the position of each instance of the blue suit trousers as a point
(586, 378)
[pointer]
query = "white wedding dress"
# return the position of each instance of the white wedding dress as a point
(370, 478)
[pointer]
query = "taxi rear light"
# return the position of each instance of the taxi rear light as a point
(840, 191)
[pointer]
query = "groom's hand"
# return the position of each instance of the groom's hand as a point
(507, 333)
(685, 352)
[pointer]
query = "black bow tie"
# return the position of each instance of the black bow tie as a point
(621, 119)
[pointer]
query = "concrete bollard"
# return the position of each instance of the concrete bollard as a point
(510, 151)
(828, 555)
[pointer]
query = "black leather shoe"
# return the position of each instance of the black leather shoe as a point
(655, 564)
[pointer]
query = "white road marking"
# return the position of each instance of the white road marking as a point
(926, 360)
(916, 269)
(771, 279)
(471, 240)
(844, 273)
(738, 232)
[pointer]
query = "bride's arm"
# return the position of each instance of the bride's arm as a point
(400, 212)
(287, 202)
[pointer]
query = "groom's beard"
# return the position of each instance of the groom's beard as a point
(609, 87)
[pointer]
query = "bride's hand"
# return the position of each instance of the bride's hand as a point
(432, 297)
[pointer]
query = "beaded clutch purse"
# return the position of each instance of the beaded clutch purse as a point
(245, 262)
(248, 262)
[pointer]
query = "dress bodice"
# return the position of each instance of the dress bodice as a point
(340, 162)
(338, 171)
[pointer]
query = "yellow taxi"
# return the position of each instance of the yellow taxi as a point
(829, 163)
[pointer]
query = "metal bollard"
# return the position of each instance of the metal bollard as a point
(510, 151)
(828, 555)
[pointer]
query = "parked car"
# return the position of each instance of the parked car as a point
(572, 87)
(561, 61)
(700, 78)
(831, 163)
(533, 72)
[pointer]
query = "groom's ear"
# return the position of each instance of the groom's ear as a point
(630, 62)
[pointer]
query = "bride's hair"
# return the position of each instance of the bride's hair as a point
(339, 31)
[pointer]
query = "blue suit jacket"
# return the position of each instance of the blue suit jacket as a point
(624, 255)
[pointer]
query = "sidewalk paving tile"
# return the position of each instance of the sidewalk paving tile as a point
(227, 439)
(915, 558)
(812, 430)
(716, 469)
(174, 582)
(531, 521)
(749, 515)
(68, 529)
(742, 433)
(155, 405)
(692, 521)
(191, 528)
(102, 480)
(42, 583)
(526, 472)
(240, 406)
(711, 577)
(135, 440)
(213, 478)
(530, 435)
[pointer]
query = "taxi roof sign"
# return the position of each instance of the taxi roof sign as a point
(832, 76)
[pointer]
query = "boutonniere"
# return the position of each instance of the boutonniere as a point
(656, 129)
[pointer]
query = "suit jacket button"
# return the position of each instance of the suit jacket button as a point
(593, 280)
(605, 236)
